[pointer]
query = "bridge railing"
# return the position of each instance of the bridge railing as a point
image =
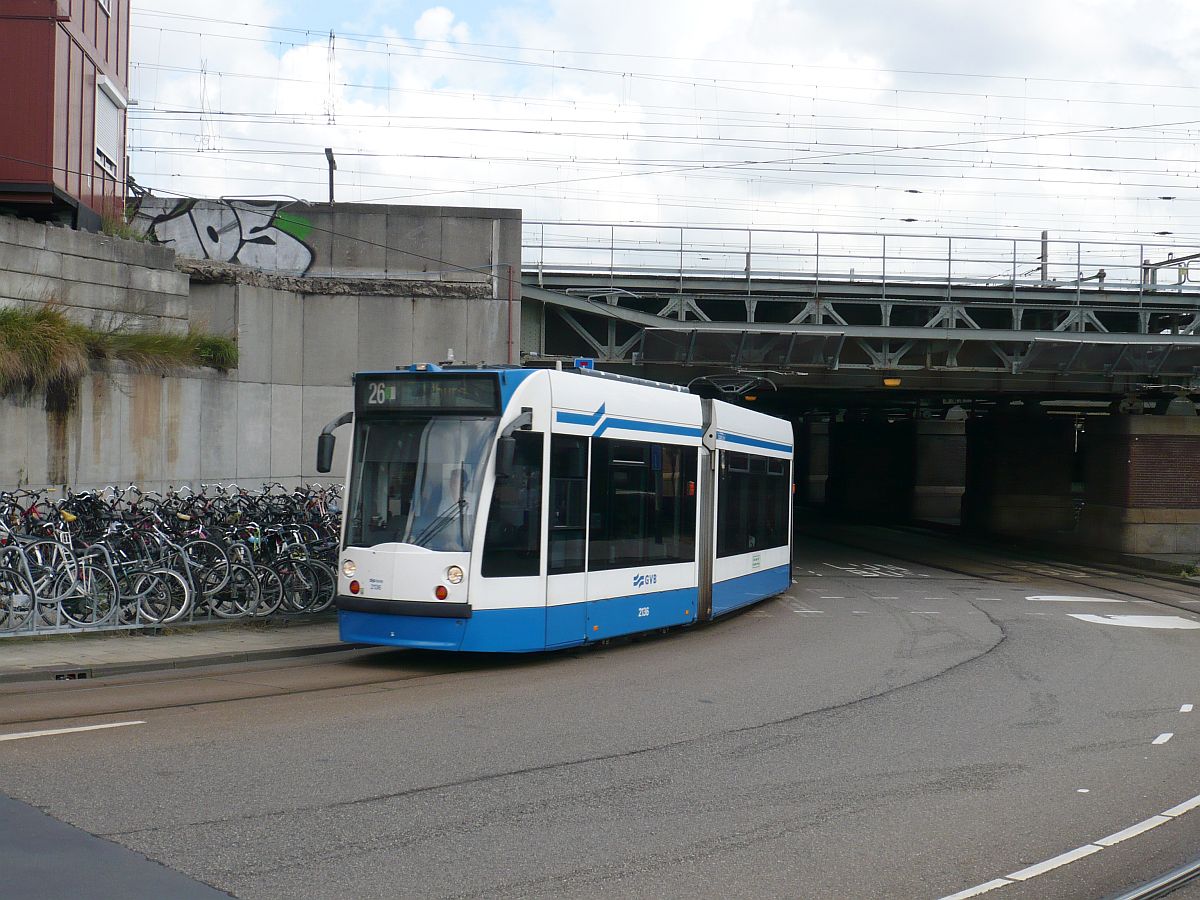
(762, 255)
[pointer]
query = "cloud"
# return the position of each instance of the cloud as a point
(978, 118)
(437, 24)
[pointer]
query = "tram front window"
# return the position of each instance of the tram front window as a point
(416, 480)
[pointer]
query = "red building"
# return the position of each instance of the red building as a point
(64, 65)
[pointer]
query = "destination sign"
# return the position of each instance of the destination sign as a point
(427, 392)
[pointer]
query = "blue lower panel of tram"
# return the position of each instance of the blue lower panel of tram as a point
(523, 629)
(737, 592)
(486, 631)
(532, 628)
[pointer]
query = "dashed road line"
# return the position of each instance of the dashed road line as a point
(23, 735)
(1187, 707)
(1071, 856)
(1049, 865)
(1163, 738)
(1133, 830)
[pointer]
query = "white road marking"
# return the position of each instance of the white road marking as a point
(860, 612)
(925, 612)
(833, 598)
(1163, 738)
(1138, 621)
(20, 736)
(1184, 807)
(1187, 707)
(1047, 865)
(1056, 598)
(872, 570)
(1079, 852)
(887, 598)
(1082, 791)
(979, 889)
(1133, 830)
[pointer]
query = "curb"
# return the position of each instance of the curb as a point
(82, 673)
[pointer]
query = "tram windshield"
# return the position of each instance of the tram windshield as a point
(416, 480)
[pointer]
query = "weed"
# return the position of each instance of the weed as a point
(42, 351)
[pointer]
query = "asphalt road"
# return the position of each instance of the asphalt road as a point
(888, 728)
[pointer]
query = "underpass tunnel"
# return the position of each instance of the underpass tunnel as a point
(1098, 475)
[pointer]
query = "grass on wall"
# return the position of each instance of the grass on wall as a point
(43, 351)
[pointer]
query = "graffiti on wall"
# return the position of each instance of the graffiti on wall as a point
(262, 234)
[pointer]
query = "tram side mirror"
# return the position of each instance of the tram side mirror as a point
(325, 443)
(506, 452)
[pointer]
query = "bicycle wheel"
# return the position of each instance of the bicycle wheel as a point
(300, 585)
(209, 564)
(326, 586)
(48, 561)
(239, 596)
(17, 600)
(164, 596)
(270, 594)
(92, 598)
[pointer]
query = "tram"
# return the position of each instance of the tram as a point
(518, 510)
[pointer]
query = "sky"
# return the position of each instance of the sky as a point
(935, 117)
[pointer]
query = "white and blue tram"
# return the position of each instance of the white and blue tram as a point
(518, 510)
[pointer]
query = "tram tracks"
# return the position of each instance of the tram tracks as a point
(993, 565)
(1164, 884)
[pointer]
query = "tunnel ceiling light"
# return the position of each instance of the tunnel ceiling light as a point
(891, 381)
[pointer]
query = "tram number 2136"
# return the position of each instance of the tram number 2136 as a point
(643, 612)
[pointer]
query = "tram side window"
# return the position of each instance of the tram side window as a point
(568, 503)
(512, 543)
(752, 509)
(643, 504)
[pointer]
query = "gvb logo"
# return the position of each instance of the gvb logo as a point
(640, 581)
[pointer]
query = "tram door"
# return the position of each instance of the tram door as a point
(706, 511)
(566, 574)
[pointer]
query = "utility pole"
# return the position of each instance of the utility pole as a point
(332, 169)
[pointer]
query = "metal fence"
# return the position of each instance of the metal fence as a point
(762, 255)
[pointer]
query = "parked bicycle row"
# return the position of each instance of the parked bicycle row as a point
(123, 558)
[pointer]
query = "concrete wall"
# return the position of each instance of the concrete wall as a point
(346, 240)
(99, 280)
(300, 339)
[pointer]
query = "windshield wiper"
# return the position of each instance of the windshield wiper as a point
(444, 518)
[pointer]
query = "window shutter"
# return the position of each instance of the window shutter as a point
(108, 132)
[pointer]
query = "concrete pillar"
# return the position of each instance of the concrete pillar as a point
(1019, 471)
(1142, 482)
(940, 471)
(813, 479)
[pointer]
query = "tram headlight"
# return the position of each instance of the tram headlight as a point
(349, 568)
(454, 575)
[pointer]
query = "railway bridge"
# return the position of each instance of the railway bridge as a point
(1031, 387)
